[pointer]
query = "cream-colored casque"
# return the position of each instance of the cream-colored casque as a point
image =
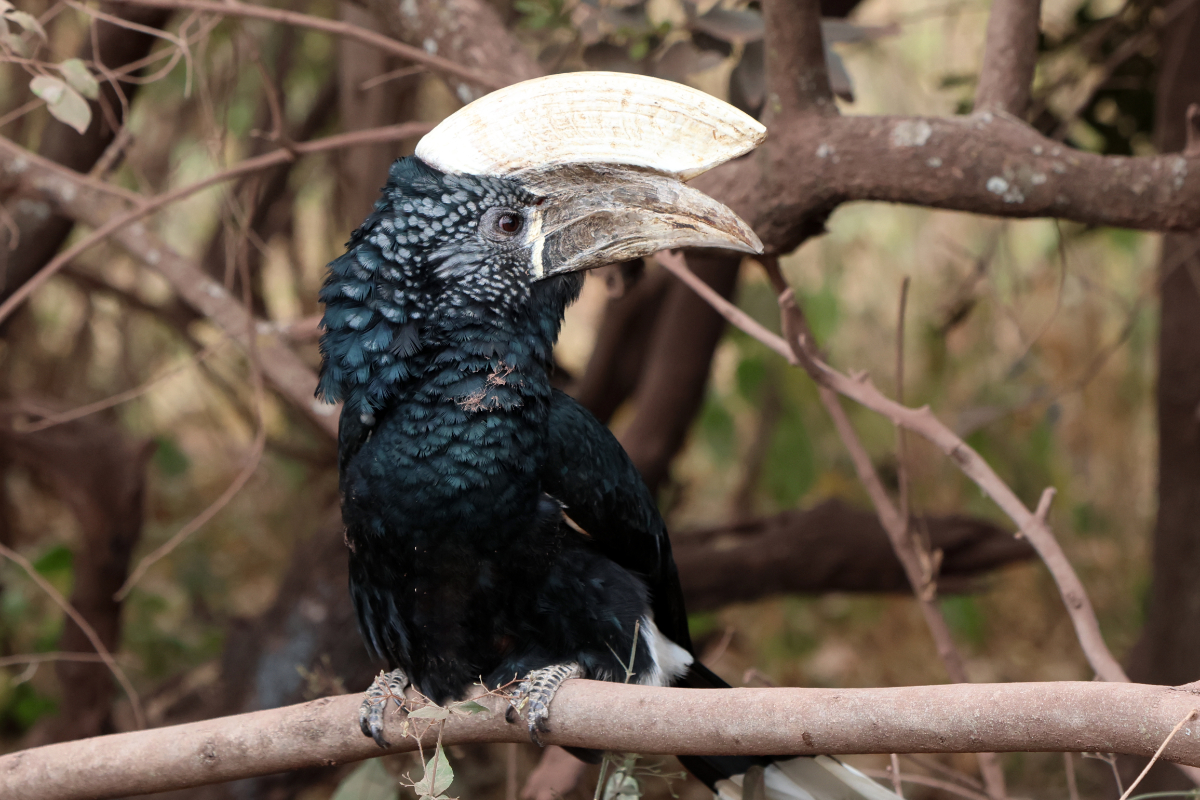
(591, 118)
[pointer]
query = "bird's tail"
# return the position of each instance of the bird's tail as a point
(765, 778)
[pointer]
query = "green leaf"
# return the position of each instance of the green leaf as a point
(55, 560)
(28, 707)
(81, 80)
(64, 103)
(430, 712)
(27, 21)
(791, 463)
(438, 776)
(471, 707)
(169, 458)
(369, 782)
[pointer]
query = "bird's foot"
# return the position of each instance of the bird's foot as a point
(534, 694)
(387, 686)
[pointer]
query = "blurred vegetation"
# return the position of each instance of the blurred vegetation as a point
(1034, 339)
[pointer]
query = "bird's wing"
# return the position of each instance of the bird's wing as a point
(588, 471)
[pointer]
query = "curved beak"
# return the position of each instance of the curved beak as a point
(597, 215)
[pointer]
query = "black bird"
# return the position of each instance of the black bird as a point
(495, 527)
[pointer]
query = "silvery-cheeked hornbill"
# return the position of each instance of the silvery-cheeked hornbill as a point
(495, 528)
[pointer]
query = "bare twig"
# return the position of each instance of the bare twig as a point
(50, 420)
(1036, 717)
(233, 8)
(41, 658)
(922, 422)
(894, 772)
(918, 565)
(901, 448)
(47, 587)
(1072, 786)
(1157, 754)
(925, 780)
(146, 207)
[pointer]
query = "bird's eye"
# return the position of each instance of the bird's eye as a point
(502, 223)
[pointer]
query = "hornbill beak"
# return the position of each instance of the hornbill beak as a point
(595, 216)
(608, 153)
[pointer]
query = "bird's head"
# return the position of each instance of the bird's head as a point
(510, 195)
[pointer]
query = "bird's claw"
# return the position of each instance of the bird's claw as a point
(387, 686)
(533, 696)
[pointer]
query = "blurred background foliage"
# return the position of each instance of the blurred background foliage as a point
(1035, 340)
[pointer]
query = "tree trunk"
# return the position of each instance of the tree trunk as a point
(1168, 651)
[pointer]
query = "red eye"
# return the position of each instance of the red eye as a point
(509, 223)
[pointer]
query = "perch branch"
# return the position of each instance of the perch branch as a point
(1071, 716)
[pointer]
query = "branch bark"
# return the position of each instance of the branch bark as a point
(797, 77)
(1021, 717)
(984, 163)
(1009, 57)
(831, 547)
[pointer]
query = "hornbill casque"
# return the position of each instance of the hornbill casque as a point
(496, 529)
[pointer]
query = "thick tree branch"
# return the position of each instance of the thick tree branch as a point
(1009, 57)
(984, 163)
(831, 547)
(1021, 717)
(797, 78)
(467, 32)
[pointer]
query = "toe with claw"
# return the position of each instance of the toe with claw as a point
(387, 686)
(534, 694)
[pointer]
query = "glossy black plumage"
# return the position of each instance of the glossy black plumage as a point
(458, 459)
(495, 527)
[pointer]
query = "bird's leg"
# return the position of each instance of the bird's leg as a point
(534, 694)
(387, 686)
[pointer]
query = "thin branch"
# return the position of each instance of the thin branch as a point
(135, 702)
(901, 448)
(925, 780)
(1072, 785)
(53, 419)
(148, 206)
(1020, 717)
(162, 551)
(74, 195)
(922, 422)
(233, 8)
(1158, 753)
(54, 655)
